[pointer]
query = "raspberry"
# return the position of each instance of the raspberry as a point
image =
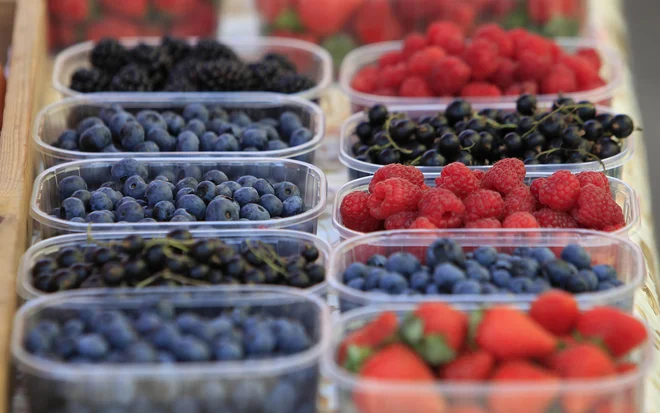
(501, 8)
(598, 83)
(480, 89)
(481, 56)
(488, 223)
(533, 43)
(497, 35)
(447, 35)
(592, 57)
(413, 43)
(407, 173)
(548, 218)
(392, 76)
(560, 191)
(520, 220)
(390, 58)
(365, 80)
(483, 204)
(519, 200)
(385, 91)
(421, 63)
(596, 209)
(612, 228)
(533, 66)
(584, 73)
(505, 175)
(479, 174)
(422, 223)
(506, 73)
(596, 178)
(561, 79)
(517, 36)
(355, 214)
(402, 220)
(442, 208)
(449, 75)
(392, 196)
(518, 89)
(459, 179)
(541, 11)
(415, 87)
(464, 14)
(535, 186)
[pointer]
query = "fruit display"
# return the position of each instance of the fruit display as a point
(74, 21)
(437, 358)
(451, 270)
(492, 63)
(341, 26)
(566, 133)
(398, 198)
(177, 260)
(176, 65)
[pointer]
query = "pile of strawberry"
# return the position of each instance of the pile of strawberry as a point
(463, 198)
(493, 63)
(552, 343)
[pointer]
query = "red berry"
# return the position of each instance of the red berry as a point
(355, 214)
(479, 174)
(560, 191)
(415, 87)
(421, 62)
(413, 43)
(518, 89)
(422, 223)
(72, 11)
(533, 43)
(181, 7)
(536, 186)
(483, 204)
(592, 56)
(548, 218)
(556, 311)
(596, 209)
(127, 8)
(519, 200)
(442, 208)
(463, 14)
(561, 79)
(596, 178)
(375, 22)
(448, 36)
(620, 332)
(505, 175)
(390, 58)
(385, 91)
(480, 89)
(449, 75)
(488, 223)
(459, 179)
(533, 66)
(392, 196)
(497, 35)
(481, 55)
(584, 72)
(402, 220)
(407, 173)
(392, 76)
(520, 220)
(365, 80)
(541, 11)
(598, 83)
(506, 73)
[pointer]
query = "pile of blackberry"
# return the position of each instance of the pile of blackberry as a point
(177, 66)
(569, 132)
(174, 261)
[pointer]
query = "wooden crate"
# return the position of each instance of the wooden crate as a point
(23, 25)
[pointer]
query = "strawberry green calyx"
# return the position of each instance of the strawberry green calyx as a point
(473, 324)
(412, 330)
(434, 350)
(356, 356)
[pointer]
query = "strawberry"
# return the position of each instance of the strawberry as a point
(415, 10)
(467, 408)
(127, 8)
(507, 333)
(175, 7)
(325, 17)
(375, 22)
(541, 11)
(199, 22)
(397, 362)
(530, 401)
(618, 405)
(73, 11)
(625, 367)
(619, 331)
(61, 34)
(370, 336)
(437, 331)
(111, 27)
(475, 366)
(556, 311)
(270, 10)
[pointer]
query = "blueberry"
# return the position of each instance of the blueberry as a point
(130, 211)
(226, 143)
(577, 256)
(254, 212)
(539, 286)
(100, 202)
(222, 209)
(206, 190)
(292, 206)
(240, 118)
(300, 136)
(158, 191)
(276, 145)
(131, 135)
(578, 283)
(163, 211)
(286, 190)
(100, 217)
(502, 264)
(246, 180)
(191, 349)
(88, 123)
(403, 263)
(135, 187)
(208, 142)
(115, 196)
(69, 185)
(187, 141)
(272, 205)
(289, 122)
(128, 167)
(542, 254)
(520, 285)
(147, 322)
(188, 182)
(260, 341)
(605, 285)
(146, 147)
(524, 267)
(162, 138)
(559, 272)
(501, 278)
(119, 334)
(92, 346)
(106, 113)
(218, 126)
(522, 252)
(73, 328)
(246, 195)
(486, 256)
(196, 126)
(445, 250)
(95, 139)
(150, 119)
(356, 284)
(292, 337)
(432, 289)
(355, 270)
(377, 261)
(215, 176)
(393, 283)
(263, 187)
(175, 123)
(372, 280)
(67, 140)
(72, 208)
(420, 280)
(604, 272)
(488, 289)
(476, 271)
(248, 396)
(193, 204)
(466, 287)
(591, 278)
(196, 111)
(282, 399)
(255, 138)
(446, 275)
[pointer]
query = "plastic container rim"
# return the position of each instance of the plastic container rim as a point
(230, 369)
(179, 98)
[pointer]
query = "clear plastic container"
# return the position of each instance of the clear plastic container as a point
(65, 114)
(612, 166)
(310, 180)
(284, 242)
(312, 60)
(612, 71)
(623, 393)
(624, 255)
(622, 193)
(58, 387)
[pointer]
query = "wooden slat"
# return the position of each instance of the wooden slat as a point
(27, 75)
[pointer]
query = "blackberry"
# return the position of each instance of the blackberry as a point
(89, 80)
(292, 83)
(224, 75)
(155, 59)
(265, 73)
(281, 60)
(187, 69)
(177, 49)
(179, 85)
(131, 78)
(209, 50)
(109, 55)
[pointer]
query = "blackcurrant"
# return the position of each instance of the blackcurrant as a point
(364, 132)
(448, 144)
(526, 105)
(513, 144)
(525, 125)
(378, 114)
(593, 130)
(388, 156)
(571, 136)
(587, 112)
(425, 133)
(458, 110)
(465, 158)
(605, 148)
(622, 126)
(562, 102)
(401, 130)
(432, 158)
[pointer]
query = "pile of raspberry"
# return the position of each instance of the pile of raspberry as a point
(399, 199)
(494, 62)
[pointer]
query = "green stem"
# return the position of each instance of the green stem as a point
(570, 108)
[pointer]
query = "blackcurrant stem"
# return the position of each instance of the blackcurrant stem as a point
(148, 281)
(386, 129)
(415, 161)
(468, 148)
(585, 153)
(265, 259)
(495, 123)
(570, 108)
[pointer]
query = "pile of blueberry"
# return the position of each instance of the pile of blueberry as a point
(449, 270)
(176, 260)
(197, 128)
(568, 132)
(130, 196)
